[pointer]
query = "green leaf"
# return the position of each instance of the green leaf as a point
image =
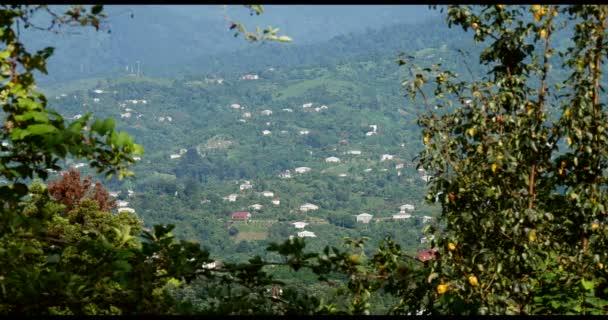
(96, 9)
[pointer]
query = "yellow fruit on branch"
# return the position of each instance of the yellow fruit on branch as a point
(427, 139)
(471, 131)
(543, 33)
(451, 246)
(442, 288)
(473, 281)
(494, 166)
(474, 25)
(595, 226)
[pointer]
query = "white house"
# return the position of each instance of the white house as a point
(247, 115)
(307, 105)
(302, 169)
(235, 106)
(125, 115)
(332, 160)
(267, 112)
(231, 197)
(130, 193)
(288, 110)
(304, 132)
(299, 224)
(79, 165)
(285, 175)
(408, 207)
(364, 217)
(343, 175)
(276, 202)
(137, 158)
(113, 194)
(266, 132)
(175, 156)
(308, 207)
(401, 216)
(427, 219)
(98, 91)
(130, 210)
(399, 166)
(245, 186)
(256, 206)
(268, 194)
(354, 152)
(307, 234)
(121, 203)
(386, 157)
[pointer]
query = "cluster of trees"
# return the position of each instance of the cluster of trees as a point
(523, 196)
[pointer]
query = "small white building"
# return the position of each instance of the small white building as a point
(266, 132)
(307, 105)
(137, 158)
(308, 207)
(175, 156)
(276, 202)
(354, 152)
(304, 132)
(332, 160)
(399, 166)
(285, 174)
(427, 219)
(235, 106)
(113, 194)
(367, 170)
(266, 112)
(130, 193)
(98, 91)
(299, 224)
(79, 165)
(125, 115)
(307, 234)
(343, 175)
(386, 157)
(121, 203)
(268, 194)
(245, 186)
(302, 169)
(288, 110)
(401, 216)
(247, 115)
(256, 206)
(231, 197)
(408, 207)
(130, 210)
(364, 217)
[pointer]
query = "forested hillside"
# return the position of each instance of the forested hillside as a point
(206, 135)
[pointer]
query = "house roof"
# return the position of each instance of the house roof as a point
(364, 215)
(427, 254)
(241, 215)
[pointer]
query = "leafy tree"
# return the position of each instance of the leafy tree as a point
(523, 192)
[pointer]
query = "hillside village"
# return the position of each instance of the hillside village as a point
(253, 204)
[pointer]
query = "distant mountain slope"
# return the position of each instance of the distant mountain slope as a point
(163, 37)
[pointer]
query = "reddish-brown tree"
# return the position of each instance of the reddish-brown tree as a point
(70, 190)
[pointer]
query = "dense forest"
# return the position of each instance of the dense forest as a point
(420, 167)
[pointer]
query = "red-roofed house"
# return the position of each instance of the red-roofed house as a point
(427, 254)
(241, 215)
